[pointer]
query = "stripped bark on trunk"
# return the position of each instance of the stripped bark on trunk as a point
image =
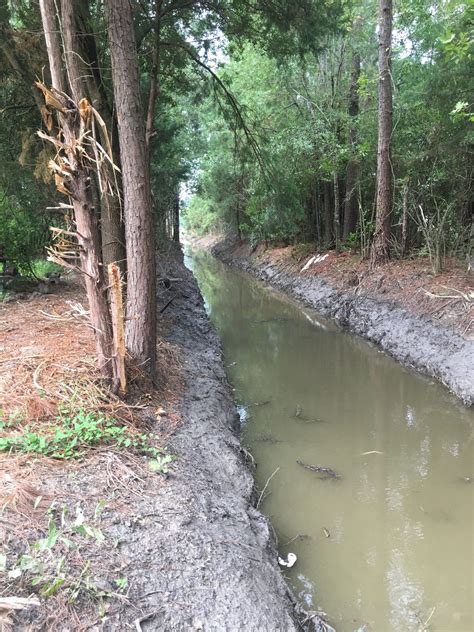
(85, 49)
(75, 183)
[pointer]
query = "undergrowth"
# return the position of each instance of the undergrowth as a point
(63, 561)
(69, 437)
(41, 267)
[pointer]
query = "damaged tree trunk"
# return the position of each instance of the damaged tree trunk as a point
(83, 52)
(72, 178)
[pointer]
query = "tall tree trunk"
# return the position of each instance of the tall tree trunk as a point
(380, 247)
(53, 48)
(351, 208)
(87, 232)
(111, 221)
(403, 244)
(317, 213)
(337, 223)
(139, 228)
(328, 215)
(154, 76)
(176, 218)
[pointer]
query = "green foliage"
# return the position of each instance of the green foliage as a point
(160, 464)
(68, 437)
(41, 267)
(297, 112)
(23, 233)
(121, 583)
(200, 218)
(260, 156)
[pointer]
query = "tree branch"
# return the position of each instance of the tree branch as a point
(230, 98)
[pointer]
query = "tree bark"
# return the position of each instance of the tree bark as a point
(139, 228)
(328, 216)
(154, 77)
(380, 247)
(53, 48)
(317, 214)
(351, 208)
(404, 236)
(111, 220)
(337, 223)
(176, 218)
(87, 232)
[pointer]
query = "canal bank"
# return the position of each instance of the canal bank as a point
(417, 340)
(185, 551)
(366, 466)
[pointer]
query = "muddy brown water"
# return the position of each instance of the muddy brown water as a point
(389, 545)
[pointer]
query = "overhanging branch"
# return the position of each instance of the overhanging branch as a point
(253, 143)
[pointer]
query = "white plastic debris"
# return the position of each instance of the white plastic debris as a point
(308, 263)
(289, 562)
(315, 259)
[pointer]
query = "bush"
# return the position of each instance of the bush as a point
(24, 234)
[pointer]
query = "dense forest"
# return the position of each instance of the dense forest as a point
(343, 124)
(305, 168)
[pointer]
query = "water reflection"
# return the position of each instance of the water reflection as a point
(391, 542)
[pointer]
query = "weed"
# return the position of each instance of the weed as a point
(69, 437)
(160, 464)
(45, 565)
(121, 583)
(9, 420)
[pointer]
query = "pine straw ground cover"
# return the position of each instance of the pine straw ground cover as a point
(74, 459)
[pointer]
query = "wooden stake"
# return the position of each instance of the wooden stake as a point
(118, 329)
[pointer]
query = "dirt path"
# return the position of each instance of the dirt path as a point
(400, 308)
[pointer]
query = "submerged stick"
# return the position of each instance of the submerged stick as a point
(266, 485)
(326, 472)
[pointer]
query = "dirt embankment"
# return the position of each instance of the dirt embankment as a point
(424, 321)
(208, 559)
(131, 548)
